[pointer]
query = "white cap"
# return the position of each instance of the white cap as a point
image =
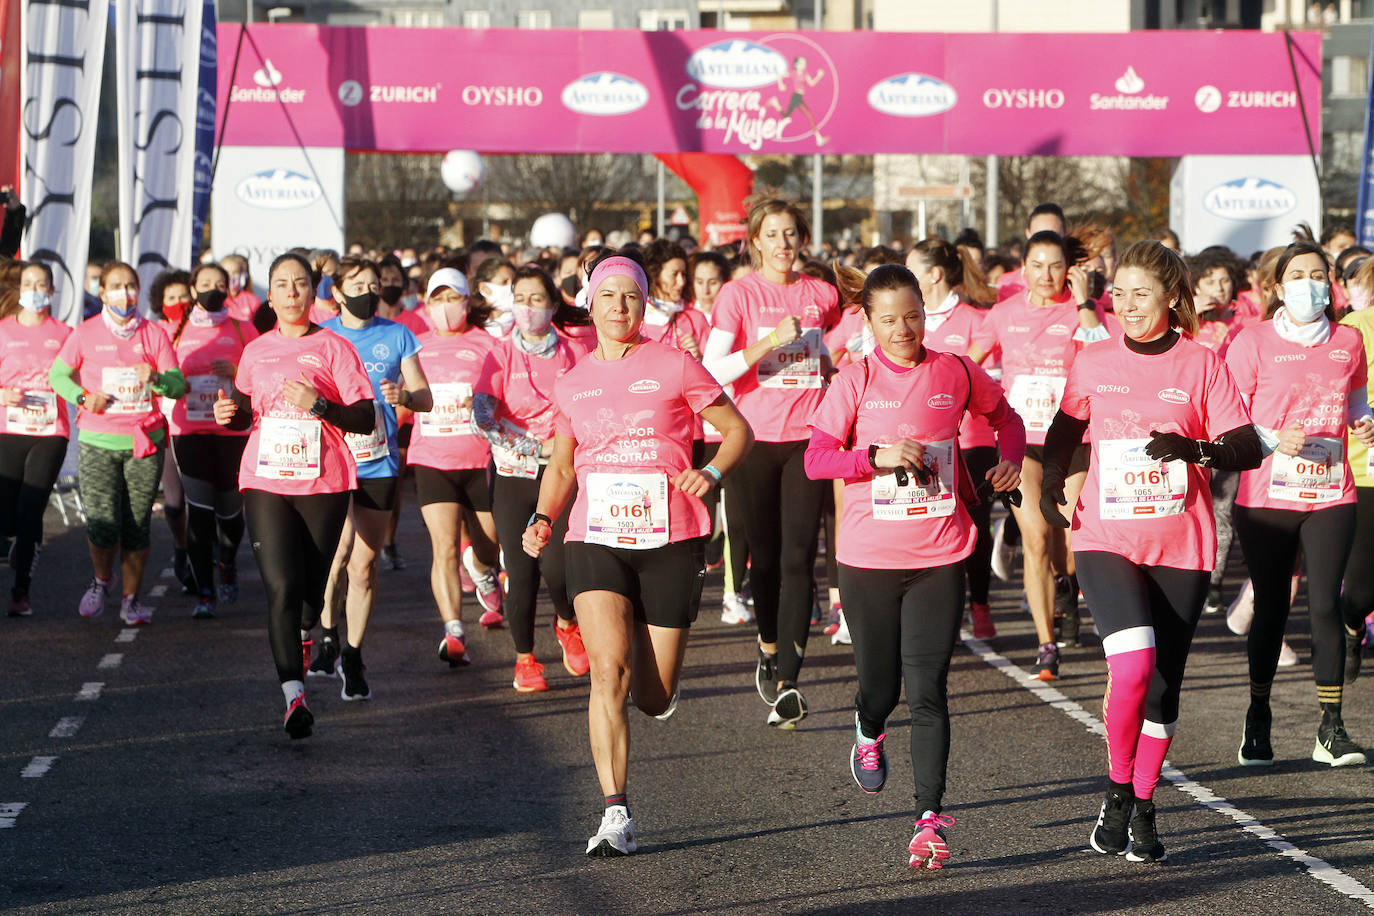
(450, 277)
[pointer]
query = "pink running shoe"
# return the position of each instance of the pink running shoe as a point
(983, 627)
(464, 580)
(928, 847)
(93, 601)
(488, 589)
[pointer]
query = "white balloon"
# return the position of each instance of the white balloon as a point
(462, 170)
(553, 230)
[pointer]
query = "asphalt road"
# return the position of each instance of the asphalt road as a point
(174, 789)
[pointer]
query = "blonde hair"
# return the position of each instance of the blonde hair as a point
(759, 209)
(1165, 265)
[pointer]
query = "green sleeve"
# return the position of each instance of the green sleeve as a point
(60, 378)
(170, 384)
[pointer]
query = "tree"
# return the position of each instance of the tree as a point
(394, 200)
(601, 189)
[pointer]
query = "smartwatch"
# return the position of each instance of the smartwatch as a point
(319, 407)
(1088, 305)
(81, 399)
(873, 455)
(539, 517)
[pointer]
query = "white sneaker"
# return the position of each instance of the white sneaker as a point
(1003, 554)
(616, 836)
(1242, 611)
(133, 613)
(1287, 657)
(841, 636)
(672, 705)
(734, 611)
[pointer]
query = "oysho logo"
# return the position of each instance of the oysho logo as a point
(589, 393)
(941, 402)
(643, 386)
(1113, 389)
(605, 93)
(1175, 396)
(1291, 358)
(912, 95)
(1058, 330)
(1023, 98)
(1249, 199)
(278, 189)
(881, 405)
(736, 64)
(1128, 87)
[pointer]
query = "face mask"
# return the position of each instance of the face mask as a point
(237, 282)
(212, 300)
(362, 307)
(117, 301)
(409, 301)
(448, 316)
(1305, 299)
(34, 300)
(501, 323)
(392, 294)
(533, 321)
(173, 311)
(326, 289)
(93, 286)
(1360, 298)
(501, 298)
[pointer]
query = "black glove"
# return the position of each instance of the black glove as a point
(1173, 447)
(987, 494)
(1051, 498)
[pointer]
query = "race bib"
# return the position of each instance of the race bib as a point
(201, 394)
(35, 416)
(627, 510)
(797, 365)
(1133, 485)
(289, 449)
(1313, 476)
(1036, 398)
(895, 503)
(448, 417)
(130, 395)
(370, 446)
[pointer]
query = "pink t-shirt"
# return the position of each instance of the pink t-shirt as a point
(26, 355)
(582, 338)
(290, 451)
(1249, 307)
(687, 321)
(415, 320)
(1152, 513)
(954, 335)
(1011, 283)
(243, 306)
(1216, 335)
(524, 384)
(104, 362)
(1286, 383)
(319, 314)
(891, 527)
(444, 437)
(632, 419)
(197, 348)
(781, 392)
(837, 339)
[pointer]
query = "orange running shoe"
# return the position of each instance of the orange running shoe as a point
(574, 653)
(529, 676)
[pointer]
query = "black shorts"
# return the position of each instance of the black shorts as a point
(403, 435)
(469, 488)
(375, 493)
(663, 583)
(1077, 464)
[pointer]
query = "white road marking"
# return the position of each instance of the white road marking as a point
(90, 691)
(1318, 868)
(113, 660)
(9, 811)
(166, 573)
(38, 767)
(157, 591)
(128, 634)
(66, 726)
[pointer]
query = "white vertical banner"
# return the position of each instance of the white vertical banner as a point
(158, 47)
(64, 50)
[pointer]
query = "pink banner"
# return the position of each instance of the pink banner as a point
(1153, 93)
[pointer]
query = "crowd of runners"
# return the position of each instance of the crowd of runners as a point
(612, 422)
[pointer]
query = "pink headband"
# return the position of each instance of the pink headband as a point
(619, 267)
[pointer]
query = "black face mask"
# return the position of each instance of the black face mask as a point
(392, 294)
(212, 300)
(362, 307)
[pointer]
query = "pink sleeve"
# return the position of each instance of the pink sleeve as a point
(989, 401)
(1223, 409)
(827, 459)
(1241, 363)
(1075, 399)
(725, 314)
(164, 357)
(985, 335)
(71, 350)
(349, 375)
(699, 387)
(492, 379)
(561, 424)
(838, 412)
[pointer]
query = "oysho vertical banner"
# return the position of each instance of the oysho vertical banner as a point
(64, 51)
(158, 51)
(205, 125)
(1364, 218)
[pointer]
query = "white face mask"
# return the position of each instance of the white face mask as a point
(237, 283)
(501, 298)
(409, 301)
(1305, 299)
(34, 300)
(93, 286)
(501, 324)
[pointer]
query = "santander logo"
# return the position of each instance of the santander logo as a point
(941, 402)
(643, 386)
(1174, 396)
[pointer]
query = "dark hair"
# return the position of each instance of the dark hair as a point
(1049, 237)
(391, 260)
(564, 315)
(299, 259)
(485, 246)
(1330, 232)
(968, 237)
(110, 267)
(705, 256)
(1212, 257)
(208, 265)
(158, 289)
(960, 270)
(879, 255)
(1050, 209)
(1165, 233)
(477, 304)
(820, 271)
(856, 289)
(1296, 250)
(350, 265)
(41, 265)
(657, 254)
(1344, 258)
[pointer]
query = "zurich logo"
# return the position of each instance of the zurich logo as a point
(737, 64)
(278, 189)
(912, 95)
(605, 93)
(1249, 199)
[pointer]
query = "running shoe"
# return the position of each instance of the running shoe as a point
(1255, 749)
(488, 586)
(1287, 657)
(133, 613)
(299, 721)
(1066, 617)
(1242, 611)
(672, 705)
(1111, 836)
(1334, 746)
(354, 684)
(1145, 845)
(766, 677)
(453, 651)
(204, 609)
(1214, 604)
(574, 653)
(326, 661)
(1003, 554)
(734, 611)
(789, 709)
(832, 622)
(19, 607)
(868, 762)
(1047, 664)
(983, 627)
(93, 602)
(228, 583)
(616, 837)
(841, 635)
(393, 556)
(928, 847)
(492, 620)
(464, 580)
(529, 676)
(1354, 647)
(306, 643)
(816, 616)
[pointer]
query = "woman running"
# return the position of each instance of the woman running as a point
(1304, 377)
(1038, 332)
(513, 407)
(766, 341)
(1160, 409)
(1357, 588)
(635, 543)
(209, 345)
(298, 389)
(169, 298)
(889, 428)
(36, 427)
(668, 319)
(115, 367)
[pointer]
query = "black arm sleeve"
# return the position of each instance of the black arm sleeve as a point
(243, 417)
(13, 231)
(1237, 450)
(359, 418)
(1064, 435)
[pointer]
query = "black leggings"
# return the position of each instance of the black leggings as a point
(1270, 539)
(1167, 600)
(29, 466)
(512, 502)
(782, 511)
(733, 546)
(979, 461)
(903, 623)
(209, 466)
(294, 539)
(1357, 597)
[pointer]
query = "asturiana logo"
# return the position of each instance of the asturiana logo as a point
(605, 93)
(644, 386)
(737, 64)
(1249, 199)
(1137, 457)
(278, 189)
(912, 95)
(940, 401)
(1174, 396)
